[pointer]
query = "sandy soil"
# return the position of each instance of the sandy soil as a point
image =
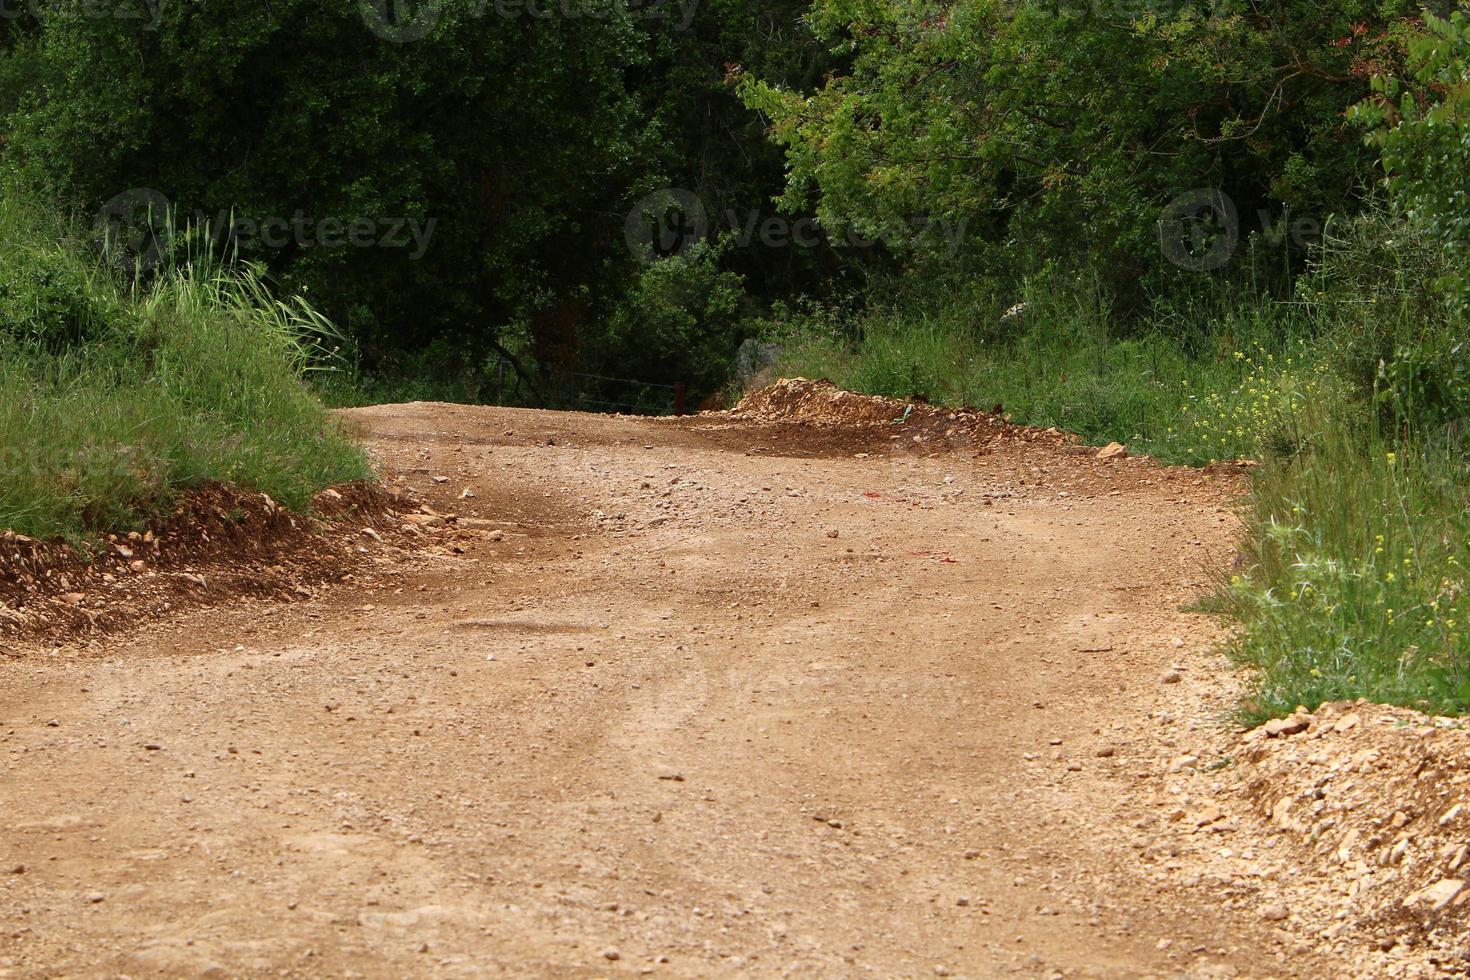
(725, 698)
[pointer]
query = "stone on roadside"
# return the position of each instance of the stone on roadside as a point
(1437, 895)
(1290, 725)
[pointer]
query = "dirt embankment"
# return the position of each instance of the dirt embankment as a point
(220, 544)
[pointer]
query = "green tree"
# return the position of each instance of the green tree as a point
(1060, 130)
(513, 135)
(1422, 129)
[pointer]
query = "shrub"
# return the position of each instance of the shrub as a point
(1423, 133)
(680, 322)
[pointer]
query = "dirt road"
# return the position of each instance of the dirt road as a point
(725, 699)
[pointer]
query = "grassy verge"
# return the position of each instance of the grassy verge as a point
(1360, 547)
(1351, 393)
(1232, 382)
(114, 396)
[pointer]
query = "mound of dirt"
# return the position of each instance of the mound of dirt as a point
(1379, 799)
(220, 542)
(824, 405)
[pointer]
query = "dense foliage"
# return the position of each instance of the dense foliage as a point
(490, 158)
(1061, 132)
(1424, 134)
(455, 181)
(503, 139)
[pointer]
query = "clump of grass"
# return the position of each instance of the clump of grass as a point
(116, 394)
(1357, 589)
(1267, 413)
(1360, 535)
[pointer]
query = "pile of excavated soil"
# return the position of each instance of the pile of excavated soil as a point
(1379, 798)
(804, 417)
(823, 405)
(1346, 829)
(219, 543)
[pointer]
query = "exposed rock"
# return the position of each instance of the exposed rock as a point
(1277, 727)
(1437, 895)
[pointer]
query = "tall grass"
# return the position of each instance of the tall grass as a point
(115, 393)
(1188, 394)
(1356, 588)
(1360, 537)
